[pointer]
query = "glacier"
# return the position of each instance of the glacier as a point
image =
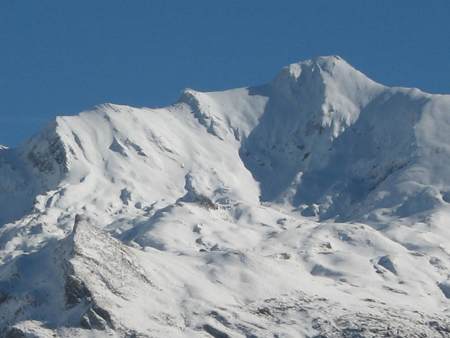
(316, 205)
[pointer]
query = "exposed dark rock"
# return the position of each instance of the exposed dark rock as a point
(15, 333)
(387, 262)
(75, 291)
(54, 155)
(3, 296)
(215, 332)
(96, 318)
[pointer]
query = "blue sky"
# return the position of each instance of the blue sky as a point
(63, 57)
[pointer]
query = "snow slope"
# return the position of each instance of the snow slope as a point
(315, 205)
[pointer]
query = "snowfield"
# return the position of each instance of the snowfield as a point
(317, 205)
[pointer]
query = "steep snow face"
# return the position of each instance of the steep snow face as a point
(113, 158)
(379, 146)
(334, 142)
(310, 105)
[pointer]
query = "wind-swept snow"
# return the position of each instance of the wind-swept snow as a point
(316, 205)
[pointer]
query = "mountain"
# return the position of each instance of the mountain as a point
(313, 206)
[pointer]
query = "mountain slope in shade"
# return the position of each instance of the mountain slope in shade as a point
(314, 205)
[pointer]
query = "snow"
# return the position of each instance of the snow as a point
(314, 205)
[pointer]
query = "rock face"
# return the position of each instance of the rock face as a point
(48, 282)
(314, 206)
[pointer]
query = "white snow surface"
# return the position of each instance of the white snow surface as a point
(314, 206)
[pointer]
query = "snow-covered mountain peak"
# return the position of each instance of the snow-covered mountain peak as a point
(330, 83)
(285, 208)
(316, 66)
(332, 66)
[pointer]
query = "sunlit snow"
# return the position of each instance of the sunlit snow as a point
(314, 206)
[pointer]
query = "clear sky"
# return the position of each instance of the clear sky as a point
(63, 57)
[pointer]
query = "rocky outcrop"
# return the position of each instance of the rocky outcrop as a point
(59, 284)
